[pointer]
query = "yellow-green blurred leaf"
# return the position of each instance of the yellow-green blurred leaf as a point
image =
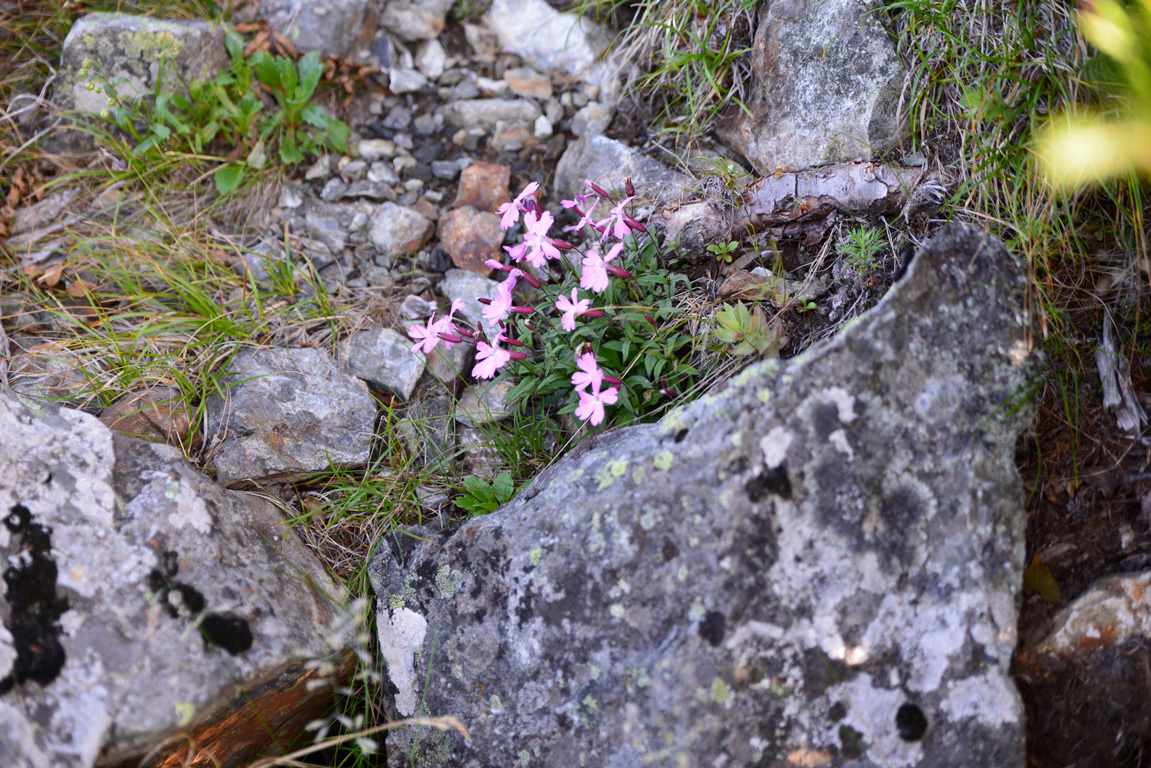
(1037, 579)
(1080, 151)
(1110, 30)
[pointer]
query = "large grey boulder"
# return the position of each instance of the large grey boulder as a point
(825, 87)
(288, 411)
(143, 602)
(339, 27)
(819, 565)
(138, 51)
(609, 163)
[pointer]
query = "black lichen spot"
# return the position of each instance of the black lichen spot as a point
(35, 608)
(852, 741)
(769, 481)
(227, 631)
(524, 612)
(669, 550)
(712, 627)
(564, 721)
(192, 597)
(837, 712)
(679, 436)
(737, 466)
(171, 563)
(479, 615)
(911, 722)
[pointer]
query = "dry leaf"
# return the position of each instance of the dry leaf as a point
(51, 276)
(1037, 579)
(78, 288)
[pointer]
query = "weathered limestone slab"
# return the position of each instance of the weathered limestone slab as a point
(142, 601)
(136, 50)
(820, 565)
(825, 87)
(608, 163)
(288, 410)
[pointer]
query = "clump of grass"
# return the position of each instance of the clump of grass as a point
(689, 60)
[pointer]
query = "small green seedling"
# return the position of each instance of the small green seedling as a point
(863, 244)
(748, 331)
(804, 305)
(724, 251)
(481, 497)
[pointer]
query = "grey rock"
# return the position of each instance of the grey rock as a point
(468, 286)
(327, 230)
(445, 169)
(376, 149)
(477, 455)
(546, 38)
(417, 308)
(448, 365)
(542, 128)
(371, 190)
(464, 91)
(825, 87)
(823, 559)
(353, 170)
(319, 169)
(333, 190)
(406, 80)
(431, 58)
(39, 215)
(486, 401)
(385, 358)
(52, 371)
(286, 411)
(412, 20)
(377, 277)
(529, 83)
(398, 231)
(133, 50)
(138, 559)
(608, 163)
(291, 197)
(591, 119)
(427, 124)
(397, 118)
(339, 27)
(483, 114)
(380, 173)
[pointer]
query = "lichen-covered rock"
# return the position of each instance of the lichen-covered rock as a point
(137, 49)
(143, 602)
(288, 410)
(825, 87)
(820, 565)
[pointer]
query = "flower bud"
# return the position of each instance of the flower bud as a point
(451, 338)
(651, 322)
(628, 187)
(495, 264)
(563, 245)
(634, 224)
(524, 310)
(484, 301)
(513, 342)
(530, 280)
(529, 326)
(465, 332)
(517, 355)
(597, 189)
(612, 380)
(622, 274)
(593, 313)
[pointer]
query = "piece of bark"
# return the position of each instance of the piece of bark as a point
(857, 188)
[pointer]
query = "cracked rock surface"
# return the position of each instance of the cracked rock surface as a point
(142, 601)
(820, 565)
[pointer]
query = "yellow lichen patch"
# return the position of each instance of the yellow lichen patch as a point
(638, 475)
(618, 468)
(763, 395)
(535, 556)
(663, 460)
(719, 691)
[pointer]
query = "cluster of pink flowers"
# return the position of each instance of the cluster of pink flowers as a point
(537, 248)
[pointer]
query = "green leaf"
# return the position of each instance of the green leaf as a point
(310, 72)
(228, 178)
(266, 70)
(1037, 579)
(289, 152)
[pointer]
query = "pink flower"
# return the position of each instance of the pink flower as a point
(571, 309)
(590, 406)
(588, 373)
(510, 212)
(586, 218)
(502, 303)
(516, 252)
(489, 359)
(429, 335)
(594, 277)
(615, 222)
(537, 240)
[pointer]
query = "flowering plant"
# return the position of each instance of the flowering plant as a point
(584, 329)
